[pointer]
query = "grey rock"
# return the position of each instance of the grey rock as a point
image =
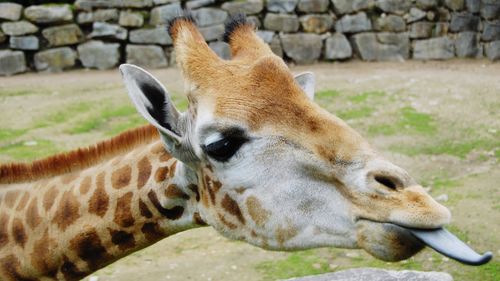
(349, 6)
(248, 7)
(313, 6)
(303, 48)
(467, 44)
(266, 35)
(353, 23)
(92, 4)
(434, 49)
(55, 60)
(281, 22)
(390, 23)
(281, 6)
(103, 15)
(337, 47)
(443, 14)
(146, 56)
(491, 31)
(316, 23)
(374, 274)
(431, 15)
(221, 49)
(158, 35)
(10, 11)
(492, 50)
(441, 29)
(427, 4)
(464, 22)
(12, 62)
(211, 33)
(24, 42)
(276, 46)
(455, 5)
(163, 14)
(473, 6)
(48, 14)
(96, 54)
(490, 10)
(381, 46)
(209, 16)
(103, 29)
(163, 2)
(398, 7)
(131, 19)
(195, 4)
(255, 21)
(19, 28)
(422, 29)
(2, 37)
(63, 35)
(415, 15)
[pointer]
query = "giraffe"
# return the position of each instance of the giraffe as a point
(253, 156)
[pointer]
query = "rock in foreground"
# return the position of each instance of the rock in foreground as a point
(375, 274)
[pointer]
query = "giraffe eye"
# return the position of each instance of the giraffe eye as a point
(222, 150)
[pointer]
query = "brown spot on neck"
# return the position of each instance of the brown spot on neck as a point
(70, 271)
(49, 197)
(68, 211)
(152, 232)
(42, 258)
(161, 174)
(88, 246)
(123, 212)
(232, 207)
(32, 216)
(174, 192)
(121, 178)
(143, 208)
(99, 202)
(144, 167)
(23, 202)
(4, 235)
(172, 213)
(18, 232)
(122, 239)
(85, 185)
(10, 198)
(258, 214)
(11, 269)
(66, 179)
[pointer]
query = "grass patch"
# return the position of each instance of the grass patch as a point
(295, 265)
(327, 94)
(7, 134)
(449, 147)
(365, 96)
(64, 115)
(23, 151)
(106, 115)
(355, 113)
(383, 129)
(415, 121)
(13, 93)
(126, 124)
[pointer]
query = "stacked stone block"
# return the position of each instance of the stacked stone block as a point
(102, 34)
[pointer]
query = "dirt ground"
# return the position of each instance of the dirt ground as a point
(438, 120)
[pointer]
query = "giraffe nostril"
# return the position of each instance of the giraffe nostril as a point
(387, 181)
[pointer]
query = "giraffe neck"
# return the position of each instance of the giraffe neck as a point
(71, 225)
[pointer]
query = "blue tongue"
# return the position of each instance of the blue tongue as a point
(449, 245)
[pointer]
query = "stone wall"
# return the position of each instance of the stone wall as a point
(104, 33)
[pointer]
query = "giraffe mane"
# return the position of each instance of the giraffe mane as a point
(77, 159)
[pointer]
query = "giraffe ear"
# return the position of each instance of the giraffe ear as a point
(306, 81)
(152, 101)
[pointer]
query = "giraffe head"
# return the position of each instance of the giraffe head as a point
(272, 167)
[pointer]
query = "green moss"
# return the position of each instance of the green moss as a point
(29, 151)
(355, 113)
(295, 265)
(365, 96)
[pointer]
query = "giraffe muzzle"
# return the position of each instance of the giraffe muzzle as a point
(450, 246)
